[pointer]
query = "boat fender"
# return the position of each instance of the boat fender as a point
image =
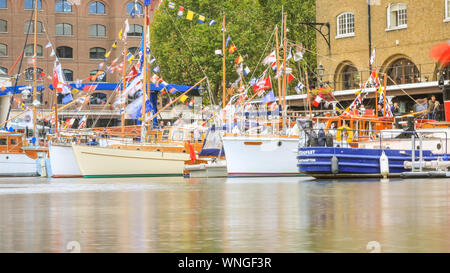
(329, 140)
(343, 129)
(384, 165)
(313, 140)
(334, 165)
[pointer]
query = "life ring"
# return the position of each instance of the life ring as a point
(349, 132)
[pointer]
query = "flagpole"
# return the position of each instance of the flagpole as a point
(34, 68)
(278, 66)
(223, 63)
(55, 99)
(384, 107)
(122, 131)
(144, 71)
(284, 70)
(309, 95)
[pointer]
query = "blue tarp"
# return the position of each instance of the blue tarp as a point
(19, 89)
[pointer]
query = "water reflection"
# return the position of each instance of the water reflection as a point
(223, 215)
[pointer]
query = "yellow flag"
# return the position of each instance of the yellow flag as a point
(114, 45)
(74, 91)
(120, 34)
(183, 98)
(107, 54)
(190, 15)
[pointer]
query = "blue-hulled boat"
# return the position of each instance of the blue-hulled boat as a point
(337, 162)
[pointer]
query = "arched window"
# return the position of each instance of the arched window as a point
(3, 4)
(29, 51)
(3, 26)
(98, 98)
(396, 16)
(29, 4)
(134, 50)
(134, 8)
(346, 77)
(403, 71)
(135, 30)
(96, 8)
(3, 70)
(68, 75)
(29, 26)
(64, 29)
(3, 50)
(29, 74)
(63, 6)
(97, 31)
(345, 25)
(64, 52)
(97, 53)
(97, 76)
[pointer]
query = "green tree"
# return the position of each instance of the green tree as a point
(185, 49)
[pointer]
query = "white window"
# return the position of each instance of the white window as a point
(396, 16)
(447, 11)
(345, 25)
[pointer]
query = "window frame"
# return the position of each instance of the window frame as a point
(63, 28)
(6, 26)
(6, 4)
(447, 11)
(96, 47)
(346, 24)
(6, 50)
(96, 13)
(32, 49)
(134, 30)
(32, 4)
(63, 5)
(65, 74)
(141, 10)
(389, 26)
(3, 70)
(32, 27)
(60, 57)
(39, 71)
(96, 36)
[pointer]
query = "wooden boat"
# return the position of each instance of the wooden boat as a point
(16, 157)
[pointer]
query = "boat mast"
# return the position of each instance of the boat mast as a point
(34, 69)
(223, 63)
(278, 66)
(122, 130)
(309, 95)
(284, 70)
(144, 71)
(384, 91)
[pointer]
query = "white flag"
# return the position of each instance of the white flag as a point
(48, 45)
(372, 57)
(53, 53)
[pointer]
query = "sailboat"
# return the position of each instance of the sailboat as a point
(19, 157)
(269, 154)
(155, 154)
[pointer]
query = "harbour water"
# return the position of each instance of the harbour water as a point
(224, 215)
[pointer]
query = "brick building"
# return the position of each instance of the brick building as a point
(401, 31)
(81, 32)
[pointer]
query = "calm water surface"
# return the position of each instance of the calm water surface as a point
(223, 215)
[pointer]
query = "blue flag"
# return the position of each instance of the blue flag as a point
(66, 99)
(147, 2)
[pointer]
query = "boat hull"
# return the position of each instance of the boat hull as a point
(354, 162)
(112, 162)
(17, 165)
(257, 156)
(62, 161)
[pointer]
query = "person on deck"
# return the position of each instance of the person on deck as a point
(379, 110)
(430, 107)
(395, 109)
(436, 115)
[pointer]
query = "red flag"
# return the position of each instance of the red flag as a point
(290, 78)
(191, 152)
(317, 101)
(262, 85)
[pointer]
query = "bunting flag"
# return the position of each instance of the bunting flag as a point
(211, 23)
(299, 88)
(228, 40)
(201, 19)
(290, 78)
(246, 71)
(270, 59)
(66, 99)
(173, 90)
(48, 45)
(372, 57)
(82, 122)
(262, 85)
(232, 49)
(268, 98)
(147, 2)
(183, 98)
(317, 100)
(180, 12)
(239, 60)
(171, 5)
(120, 34)
(190, 15)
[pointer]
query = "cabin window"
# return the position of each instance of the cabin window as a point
(178, 135)
(13, 141)
(165, 134)
(3, 141)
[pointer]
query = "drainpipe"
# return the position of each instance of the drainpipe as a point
(370, 33)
